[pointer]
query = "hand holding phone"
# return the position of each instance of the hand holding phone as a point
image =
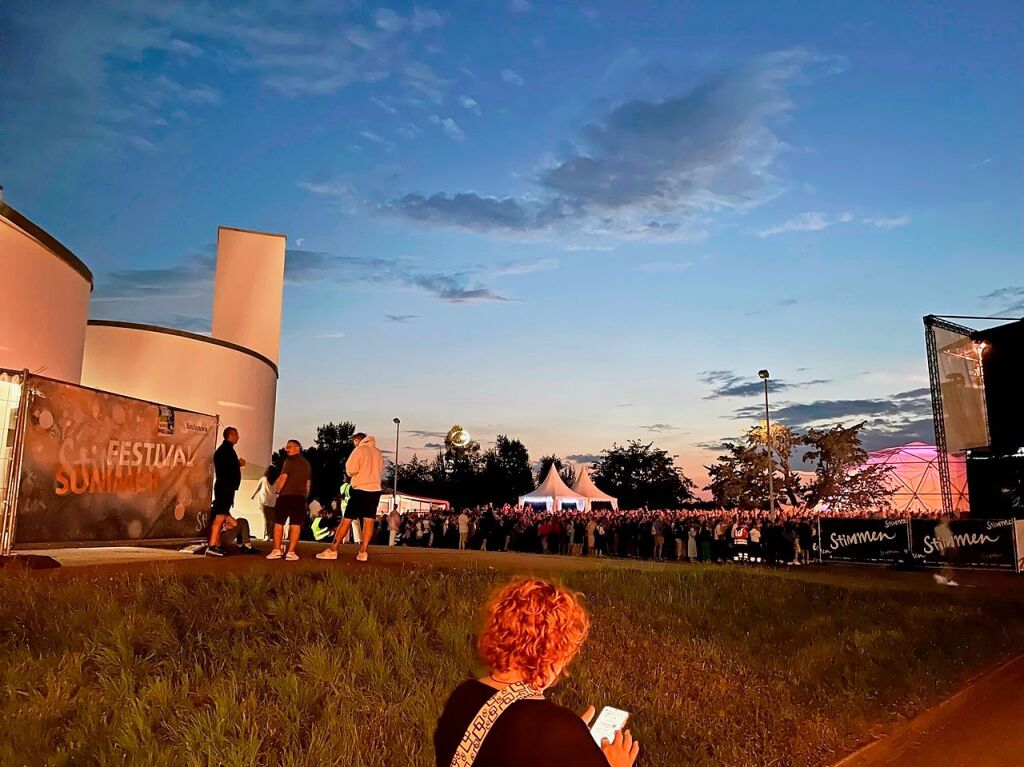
(608, 722)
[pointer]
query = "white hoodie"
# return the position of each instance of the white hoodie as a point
(365, 466)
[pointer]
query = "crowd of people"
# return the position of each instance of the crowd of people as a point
(782, 536)
(687, 535)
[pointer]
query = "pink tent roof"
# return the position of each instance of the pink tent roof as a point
(915, 477)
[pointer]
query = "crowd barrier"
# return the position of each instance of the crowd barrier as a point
(989, 543)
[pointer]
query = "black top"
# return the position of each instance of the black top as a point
(536, 733)
(228, 474)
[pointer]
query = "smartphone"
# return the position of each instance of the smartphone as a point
(608, 722)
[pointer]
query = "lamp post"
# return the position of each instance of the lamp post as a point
(394, 489)
(763, 375)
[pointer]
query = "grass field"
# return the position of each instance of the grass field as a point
(719, 666)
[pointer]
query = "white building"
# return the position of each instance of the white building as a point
(232, 372)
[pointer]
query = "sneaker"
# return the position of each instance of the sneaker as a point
(951, 582)
(247, 550)
(327, 554)
(215, 551)
(942, 580)
(275, 554)
(362, 556)
(291, 556)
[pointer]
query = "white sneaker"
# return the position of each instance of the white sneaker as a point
(951, 582)
(291, 556)
(362, 556)
(327, 554)
(942, 580)
(275, 554)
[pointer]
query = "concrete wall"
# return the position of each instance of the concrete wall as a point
(196, 373)
(44, 303)
(248, 290)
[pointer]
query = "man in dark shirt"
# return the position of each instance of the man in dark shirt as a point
(292, 491)
(227, 468)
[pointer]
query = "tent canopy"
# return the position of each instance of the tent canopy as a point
(553, 492)
(914, 477)
(585, 486)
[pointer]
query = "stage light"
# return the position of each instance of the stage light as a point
(763, 374)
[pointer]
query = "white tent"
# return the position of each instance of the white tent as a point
(554, 494)
(585, 486)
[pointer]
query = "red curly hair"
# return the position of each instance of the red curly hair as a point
(534, 628)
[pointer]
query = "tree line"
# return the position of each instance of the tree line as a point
(638, 473)
(816, 466)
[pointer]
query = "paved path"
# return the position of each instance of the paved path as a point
(981, 726)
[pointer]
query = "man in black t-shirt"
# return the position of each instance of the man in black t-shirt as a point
(227, 468)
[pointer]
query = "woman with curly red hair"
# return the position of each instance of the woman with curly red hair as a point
(532, 631)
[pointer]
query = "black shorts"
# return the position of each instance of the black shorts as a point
(223, 500)
(362, 504)
(290, 507)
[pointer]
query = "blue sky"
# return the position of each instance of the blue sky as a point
(576, 223)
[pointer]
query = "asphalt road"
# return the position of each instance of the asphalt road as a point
(981, 726)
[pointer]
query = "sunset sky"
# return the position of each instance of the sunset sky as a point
(574, 223)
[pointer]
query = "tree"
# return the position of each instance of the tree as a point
(783, 442)
(841, 479)
(327, 457)
(565, 469)
(641, 475)
(506, 471)
(414, 477)
(739, 479)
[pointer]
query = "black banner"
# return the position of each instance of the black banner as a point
(864, 540)
(964, 543)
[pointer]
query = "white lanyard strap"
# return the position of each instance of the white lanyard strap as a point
(482, 723)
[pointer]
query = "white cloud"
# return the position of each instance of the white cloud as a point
(512, 77)
(449, 126)
(426, 18)
(811, 221)
(664, 266)
(388, 20)
(845, 218)
(326, 189)
(888, 223)
(470, 105)
(384, 105)
(649, 169)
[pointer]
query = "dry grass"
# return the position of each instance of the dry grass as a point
(718, 666)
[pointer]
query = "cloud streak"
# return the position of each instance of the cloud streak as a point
(728, 383)
(649, 169)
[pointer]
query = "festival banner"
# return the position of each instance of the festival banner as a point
(964, 542)
(1019, 524)
(102, 467)
(864, 540)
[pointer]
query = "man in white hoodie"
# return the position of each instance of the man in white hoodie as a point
(364, 466)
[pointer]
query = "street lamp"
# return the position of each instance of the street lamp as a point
(763, 375)
(394, 489)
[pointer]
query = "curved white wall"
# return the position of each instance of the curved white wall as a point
(44, 303)
(196, 373)
(248, 289)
